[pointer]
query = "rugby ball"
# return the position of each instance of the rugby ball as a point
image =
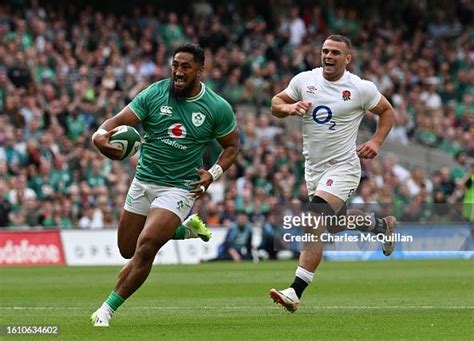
(127, 139)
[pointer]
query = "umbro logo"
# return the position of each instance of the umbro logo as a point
(166, 110)
(311, 89)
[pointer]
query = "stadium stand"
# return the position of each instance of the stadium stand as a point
(63, 69)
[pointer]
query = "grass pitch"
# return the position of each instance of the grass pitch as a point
(347, 300)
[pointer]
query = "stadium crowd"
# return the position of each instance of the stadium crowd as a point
(63, 69)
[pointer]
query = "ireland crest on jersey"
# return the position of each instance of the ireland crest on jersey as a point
(197, 118)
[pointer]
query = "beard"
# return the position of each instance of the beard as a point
(181, 92)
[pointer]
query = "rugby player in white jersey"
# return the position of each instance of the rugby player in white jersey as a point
(332, 102)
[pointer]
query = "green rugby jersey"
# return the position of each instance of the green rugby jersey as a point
(177, 132)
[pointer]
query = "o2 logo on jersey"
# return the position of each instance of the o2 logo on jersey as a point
(325, 115)
(177, 131)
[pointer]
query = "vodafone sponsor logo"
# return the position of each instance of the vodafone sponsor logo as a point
(31, 248)
(173, 144)
(177, 131)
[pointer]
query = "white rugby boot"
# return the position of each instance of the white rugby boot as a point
(286, 298)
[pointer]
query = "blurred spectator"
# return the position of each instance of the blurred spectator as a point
(447, 184)
(92, 218)
(267, 249)
(238, 241)
(417, 181)
(5, 206)
(19, 192)
(460, 168)
(391, 165)
(399, 131)
(297, 27)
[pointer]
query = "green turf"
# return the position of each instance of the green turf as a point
(356, 300)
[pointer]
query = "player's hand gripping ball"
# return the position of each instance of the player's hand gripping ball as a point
(127, 139)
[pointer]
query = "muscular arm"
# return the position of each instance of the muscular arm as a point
(125, 117)
(231, 145)
(101, 139)
(384, 110)
(283, 106)
(280, 104)
(387, 116)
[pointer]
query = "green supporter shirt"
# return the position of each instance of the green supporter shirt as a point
(177, 132)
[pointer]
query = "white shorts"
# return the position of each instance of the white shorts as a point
(340, 179)
(141, 196)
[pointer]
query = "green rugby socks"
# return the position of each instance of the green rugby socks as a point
(114, 301)
(180, 232)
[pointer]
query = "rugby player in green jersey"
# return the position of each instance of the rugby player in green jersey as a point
(180, 116)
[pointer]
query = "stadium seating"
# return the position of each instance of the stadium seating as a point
(63, 72)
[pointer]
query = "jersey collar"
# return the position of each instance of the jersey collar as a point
(199, 95)
(340, 80)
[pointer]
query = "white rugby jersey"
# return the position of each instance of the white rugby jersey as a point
(330, 126)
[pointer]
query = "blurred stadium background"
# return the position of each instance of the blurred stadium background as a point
(67, 66)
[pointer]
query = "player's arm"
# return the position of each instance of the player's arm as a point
(101, 137)
(283, 106)
(231, 146)
(384, 110)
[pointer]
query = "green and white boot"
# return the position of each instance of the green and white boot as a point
(195, 228)
(101, 318)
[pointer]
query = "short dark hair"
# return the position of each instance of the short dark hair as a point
(194, 49)
(342, 39)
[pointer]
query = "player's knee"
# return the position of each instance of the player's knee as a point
(322, 207)
(126, 253)
(146, 251)
(126, 248)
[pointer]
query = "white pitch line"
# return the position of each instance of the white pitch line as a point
(404, 307)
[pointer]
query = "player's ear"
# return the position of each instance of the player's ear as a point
(200, 70)
(348, 59)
